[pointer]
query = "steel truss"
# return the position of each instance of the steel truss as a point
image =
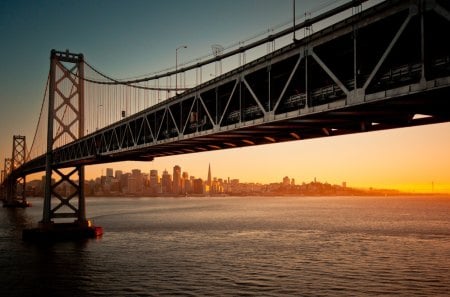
(382, 68)
(65, 122)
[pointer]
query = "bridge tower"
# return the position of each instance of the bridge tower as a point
(66, 97)
(64, 183)
(5, 172)
(16, 185)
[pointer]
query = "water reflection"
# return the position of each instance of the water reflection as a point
(17, 219)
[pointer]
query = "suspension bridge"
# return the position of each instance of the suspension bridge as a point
(349, 69)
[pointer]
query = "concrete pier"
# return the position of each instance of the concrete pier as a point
(62, 232)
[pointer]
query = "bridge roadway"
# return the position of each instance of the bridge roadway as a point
(384, 68)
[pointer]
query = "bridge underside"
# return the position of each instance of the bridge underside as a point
(411, 110)
(387, 67)
(419, 109)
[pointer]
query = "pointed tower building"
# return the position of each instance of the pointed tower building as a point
(208, 181)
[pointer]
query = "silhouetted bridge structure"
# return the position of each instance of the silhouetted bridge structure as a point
(383, 67)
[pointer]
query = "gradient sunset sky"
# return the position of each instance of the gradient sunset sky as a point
(130, 38)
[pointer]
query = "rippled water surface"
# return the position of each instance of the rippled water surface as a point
(277, 246)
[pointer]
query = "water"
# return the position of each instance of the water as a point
(238, 246)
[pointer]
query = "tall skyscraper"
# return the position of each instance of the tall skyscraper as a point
(166, 182)
(176, 185)
(208, 181)
(185, 184)
(137, 175)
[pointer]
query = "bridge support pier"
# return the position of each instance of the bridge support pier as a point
(68, 187)
(16, 193)
(69, 182)
(65, 190)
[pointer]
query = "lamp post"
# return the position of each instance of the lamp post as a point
(176, 67)
(293, 20)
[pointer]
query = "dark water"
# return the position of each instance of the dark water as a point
(312, 246)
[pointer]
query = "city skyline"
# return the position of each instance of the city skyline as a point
(152, 184)
(409, 159)
(172, 182)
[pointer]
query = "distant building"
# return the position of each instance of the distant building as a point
(137, 175)
(209, 181)
(109, 172)
(166, 182)
(216, 186)
(187, 188)
(198, 187)
(154, 182)
(176, 183)
(90, 190)
(132, 185)
(185, 183)
(115, 185)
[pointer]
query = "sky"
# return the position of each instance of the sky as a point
(131, 38)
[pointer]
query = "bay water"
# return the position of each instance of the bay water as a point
(237, 246)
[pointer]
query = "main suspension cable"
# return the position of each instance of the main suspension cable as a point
(40, 116)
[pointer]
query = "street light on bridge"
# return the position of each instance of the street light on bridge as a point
(176, 67)
(293, 20)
